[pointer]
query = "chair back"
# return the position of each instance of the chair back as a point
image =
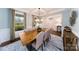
(47, 35)
(39, 40)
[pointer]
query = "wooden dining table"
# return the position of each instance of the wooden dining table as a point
(29, 36)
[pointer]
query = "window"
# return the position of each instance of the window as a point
(19, 21)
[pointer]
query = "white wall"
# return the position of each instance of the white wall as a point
(52, 22)
(29, 21)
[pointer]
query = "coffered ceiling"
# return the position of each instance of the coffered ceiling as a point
(42, 11)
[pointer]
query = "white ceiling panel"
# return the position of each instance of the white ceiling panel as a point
(43, 11)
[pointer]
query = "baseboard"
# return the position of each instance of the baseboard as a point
(9, 42)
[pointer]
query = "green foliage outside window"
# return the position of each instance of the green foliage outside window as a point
(19, 26)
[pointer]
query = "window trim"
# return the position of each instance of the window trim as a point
(12, 26)
(24, 15)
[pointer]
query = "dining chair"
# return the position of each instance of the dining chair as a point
(39, 41)
(47, 37)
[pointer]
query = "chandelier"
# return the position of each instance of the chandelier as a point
(39, 17)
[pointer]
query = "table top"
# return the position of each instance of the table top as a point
(28, 37)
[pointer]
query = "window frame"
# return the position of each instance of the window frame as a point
(24, 15)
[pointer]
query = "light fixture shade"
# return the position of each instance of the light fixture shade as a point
(37, 20)
(41, 20)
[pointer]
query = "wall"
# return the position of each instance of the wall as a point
(52, 21)
(29, 21)
(65, 19)
(4, 24)
(4, 21)
(66, 16)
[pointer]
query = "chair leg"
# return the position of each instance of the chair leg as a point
(44, 43)
(42, 47)
(30, 48)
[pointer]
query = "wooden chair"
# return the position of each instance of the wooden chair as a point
(69, 40)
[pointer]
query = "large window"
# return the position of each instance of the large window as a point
(19, 21)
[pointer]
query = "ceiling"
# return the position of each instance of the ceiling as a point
(43, 11)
